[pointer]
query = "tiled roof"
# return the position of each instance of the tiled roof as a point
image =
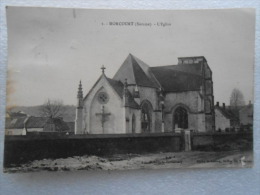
(17, 114)
(60, 125)
(139, 67)
(195, 68)
(117, 85)
(130, 102)
(15, 123)
(173, 80)
(119, 88)
(136, 72)
(229, 114)
(36, 122)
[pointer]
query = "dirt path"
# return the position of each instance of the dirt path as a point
(236, 159)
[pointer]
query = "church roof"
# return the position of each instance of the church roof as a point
(130, 101)
(117, 85)
(195, 68)
(136, 72)
(173, 80)
(119, 88)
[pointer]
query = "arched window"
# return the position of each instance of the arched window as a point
(180, 118)
(146, 117)
(133, 123)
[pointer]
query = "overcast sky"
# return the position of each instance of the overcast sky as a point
(51, 49)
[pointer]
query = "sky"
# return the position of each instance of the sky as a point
(51, 49)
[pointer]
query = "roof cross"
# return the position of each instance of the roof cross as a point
(103, 69)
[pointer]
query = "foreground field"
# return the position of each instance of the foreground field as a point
(236, 159)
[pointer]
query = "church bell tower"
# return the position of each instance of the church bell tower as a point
(79, 111)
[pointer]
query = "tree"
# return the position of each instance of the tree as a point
(52, 108)
(237, 98)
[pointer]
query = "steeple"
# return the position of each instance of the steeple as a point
(79, 111)
(80, 93)
(80, 96)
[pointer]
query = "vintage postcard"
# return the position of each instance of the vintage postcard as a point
(93, 89)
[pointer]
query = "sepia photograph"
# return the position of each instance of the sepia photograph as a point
(107, 89)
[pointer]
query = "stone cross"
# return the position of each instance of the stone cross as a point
(103, 117)
(103, 69)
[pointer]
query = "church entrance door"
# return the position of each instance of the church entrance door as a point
(180, 118)
(146, 117)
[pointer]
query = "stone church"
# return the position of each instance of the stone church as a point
(144, 99)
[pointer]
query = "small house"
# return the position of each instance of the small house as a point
(246, 115)
(225, 119)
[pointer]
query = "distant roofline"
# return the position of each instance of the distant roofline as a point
(193, 57)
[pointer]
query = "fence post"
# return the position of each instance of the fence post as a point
(182, 143)
(187, 138)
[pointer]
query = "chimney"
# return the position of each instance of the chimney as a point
(217, 104)
(224, 106)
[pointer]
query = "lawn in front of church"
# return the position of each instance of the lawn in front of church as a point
(194, 159)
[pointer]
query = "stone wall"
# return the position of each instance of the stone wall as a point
(22, 149)
(222, 141)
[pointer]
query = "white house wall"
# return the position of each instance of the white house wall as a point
(221, 121)
(34, 129)
(13, 131)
